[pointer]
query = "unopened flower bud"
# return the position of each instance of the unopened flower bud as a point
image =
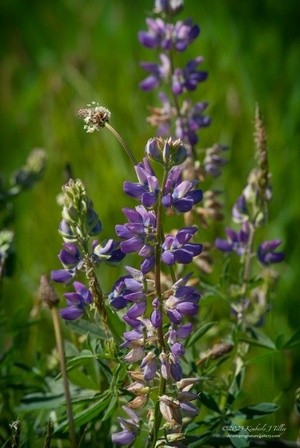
(47, 293)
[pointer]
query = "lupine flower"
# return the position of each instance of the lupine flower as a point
(139, 234)
(147, 189)
(189, 122)
(178, 249)
(240, 212)
(213, 161)
(267, 252)
(71, 259)
(166, 35)
(110, 252)
(183, 302)
(180, 195)
(127, 289)
(77, 302)
(235, 242)
(130, 426)
(188, 78)
(168, 7)
(158, 73)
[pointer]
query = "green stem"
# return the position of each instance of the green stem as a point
(124, 145)
(161, 340)
(62, 358)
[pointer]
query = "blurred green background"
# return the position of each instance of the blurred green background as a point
(59, 55)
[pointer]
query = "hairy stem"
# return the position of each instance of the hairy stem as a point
(124, 145)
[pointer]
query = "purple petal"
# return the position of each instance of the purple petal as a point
(136, 310)
(168, 258)
(184, 331)
(119, 303)
(223, 245)
(183, 205)
(123, 438)
(148, 199)
(176, 371)
(174, 316)
(187, 308)
(62, 276)
(132, 245)
(71, 313)
(156, 318)
(183, 256)
(133, 189)
(147, 265)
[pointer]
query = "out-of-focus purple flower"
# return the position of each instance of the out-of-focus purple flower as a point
(213, 162)
(168, 7)
(77, 302)
(130, 428)
(188, 78)
(183, 302)
(267, 252)
(240, 212)
(146, 190)
(191, 119)
(178, 249)
(139, 234)
(158, 73)
(236, 241)
(180, 195)
(167, 36)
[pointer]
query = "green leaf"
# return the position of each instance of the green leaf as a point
(83, 326)
(293, 341)
(196, 441)
(279, 342)
(87, 414)
(257, 410)
(81, 379)
(199, 333)
(209, 402)
(111, 407)
(240, 439)
(37, 402)
(235, 387)
(84, 357)
(259, 339)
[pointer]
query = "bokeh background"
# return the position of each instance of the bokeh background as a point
(59, 55)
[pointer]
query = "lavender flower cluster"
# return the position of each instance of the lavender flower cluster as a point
(173, 38)
(157, 315)
(80, 223)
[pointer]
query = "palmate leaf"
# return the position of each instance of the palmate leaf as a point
(259, 339)
(209, 402)
(87, 414)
